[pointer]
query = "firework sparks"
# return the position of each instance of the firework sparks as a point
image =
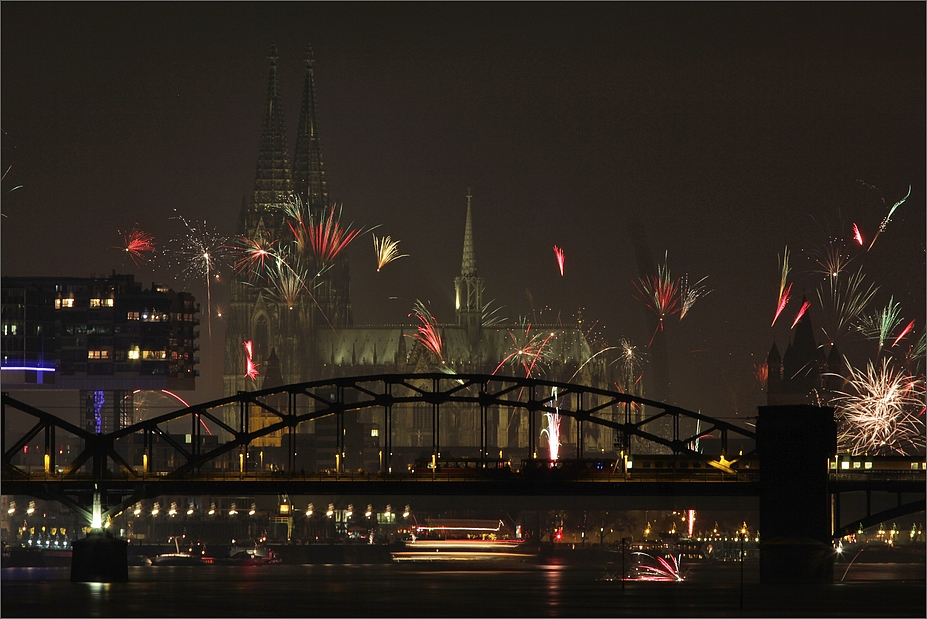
(287, 277)
(882, 412)
(558, 253)
(888, 218)
(250, 366)
(663, 571)
(326, 237)
(832, 260)
(801, 312)
(428, 334)
(844, 299)
(552, 431)
(387, 250)
(203, 252)
(785, 289)
(255, 252)
(690, 294)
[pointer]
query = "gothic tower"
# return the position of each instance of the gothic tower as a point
(468, 286)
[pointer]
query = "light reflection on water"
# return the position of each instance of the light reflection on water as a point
(434, 590)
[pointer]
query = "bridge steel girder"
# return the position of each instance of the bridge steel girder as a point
(354, 394)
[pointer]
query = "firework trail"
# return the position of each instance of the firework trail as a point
(428, 334)
(660, 293)
(203, 253)
(882, 412)
(250, 366)
(857, 235)
(879, 326)
(664, 571)
(785, 290)
(801, 312)
(287, 278)
(845, 299)
(558, 253)
(137, 244)
(490, 315)
(580, 368)
(888, 218)
(387, 250)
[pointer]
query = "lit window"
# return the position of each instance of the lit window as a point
(96, 302)
(868, 465)
(108, 302)
(914, 466)
(67, 302)
(134, 353)
(844, 465)
(132, 316)
(856, 465)
(374, 432)
(57, 303)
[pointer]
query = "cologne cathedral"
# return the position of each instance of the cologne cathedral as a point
(313, 337)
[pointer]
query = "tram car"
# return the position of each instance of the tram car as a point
(848, 464)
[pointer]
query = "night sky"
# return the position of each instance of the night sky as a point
(717, 133)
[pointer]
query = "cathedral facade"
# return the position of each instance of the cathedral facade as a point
(310, 337)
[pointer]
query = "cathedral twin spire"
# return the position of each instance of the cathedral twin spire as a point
(274, 184)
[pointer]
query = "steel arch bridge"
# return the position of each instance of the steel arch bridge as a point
(103, 459)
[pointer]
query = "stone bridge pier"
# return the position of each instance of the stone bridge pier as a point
(794, 445)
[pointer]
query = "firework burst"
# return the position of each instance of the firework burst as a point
(552, 431)
(880, 325)
(558, 253)
(660, 293)
(845, 299)
(785, 289)
(882, 411)
(138, 244)
(428, 334)
(255, 255)
(387, 250)
(689, 294)
(529, 349)
(250, 366)
(202, 253)
(325, 237)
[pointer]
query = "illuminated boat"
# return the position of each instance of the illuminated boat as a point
(463, 540)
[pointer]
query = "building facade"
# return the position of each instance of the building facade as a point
(104, 337)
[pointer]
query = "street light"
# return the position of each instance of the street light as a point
(190, 509)
(12, 508)
(233, 511)
(309, 510)
(331, 510)
(156, 509)
(252, 510)
(405, 512)
(212, 509)
(369, 512)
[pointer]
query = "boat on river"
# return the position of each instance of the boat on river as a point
(463, 540)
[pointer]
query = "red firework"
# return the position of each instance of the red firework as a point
(801, 312)
(904, 332)
(254, 252)
(558, 252)
(783, 301)
(428, 334)
(857, 235)
(137, 244)
(250, 367)
(326, 238)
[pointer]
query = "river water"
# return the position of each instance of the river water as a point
(710, 589)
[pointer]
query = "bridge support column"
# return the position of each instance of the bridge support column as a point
(100, 557)
(795, 445)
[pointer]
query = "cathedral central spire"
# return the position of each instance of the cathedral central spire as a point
(469, 287)
(468, 264)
